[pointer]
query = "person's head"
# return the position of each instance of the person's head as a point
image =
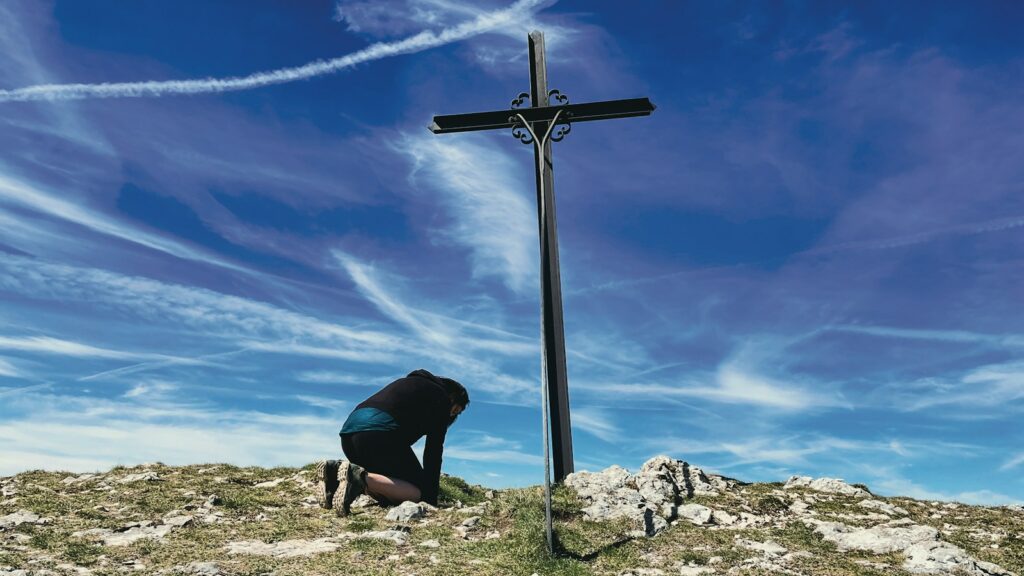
(458, 395)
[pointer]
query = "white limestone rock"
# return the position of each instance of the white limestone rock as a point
(364, 501)
(883, 507)
(399, 537)
(204, 568)
(769, 548)
(723, 518)
(21, 517)
(284, 548)
(590, 485)
(877, 539)
(71, 480)
(685, 480)
(934, 557)
(135, 534)
(407, 511)
(148, 476)
(696, 514)
(827, 485)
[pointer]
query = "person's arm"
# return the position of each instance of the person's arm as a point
(432, 465)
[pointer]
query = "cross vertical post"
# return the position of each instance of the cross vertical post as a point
(541, 124)
(551, 283)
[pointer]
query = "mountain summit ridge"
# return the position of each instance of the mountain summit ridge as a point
(669, 517)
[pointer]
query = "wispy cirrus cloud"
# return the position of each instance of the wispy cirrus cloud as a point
(213, 313)
(1013, 462)
(596, 421)
(483, 189)
(59, 347)
(421, 41)
(983, 392)
(937, 335)
(87, 434)
(730, 384)
(8, 369)
(29, 196)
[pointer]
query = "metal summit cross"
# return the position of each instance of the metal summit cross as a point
(540, 125)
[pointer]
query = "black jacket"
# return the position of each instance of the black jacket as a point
(420, 405)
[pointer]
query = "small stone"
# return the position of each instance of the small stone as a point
(364, 501)
(827, 485)
(179, 521)
(430, 544)
(406, 511)
(21, 517)
(471, 522)
(696, 514)
(284, 548)
(148, 476)
(204, 568)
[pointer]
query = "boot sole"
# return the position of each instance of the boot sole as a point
(341, 508)
(323, 497)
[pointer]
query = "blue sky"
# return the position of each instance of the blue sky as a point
(222, 225)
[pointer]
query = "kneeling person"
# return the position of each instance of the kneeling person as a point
(377, 439)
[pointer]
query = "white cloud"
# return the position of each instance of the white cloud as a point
(20, 193)
(82, 434)
(485, 447)
(56, 346)
(151, 388)
(1013, 462)
(484, 190)
(337, 406)
(328, 377)
(891, 483)
(208, 312)
(8, 369)
(421, 41)
(595, 421)
(992, 386)
(366, 280)
(936, 335)
(730, 385)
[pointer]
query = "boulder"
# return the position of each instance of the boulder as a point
(590, 485)
(284, 548)
(828, 485)
(148, 476)
(769, 548)
(934, 557)
(884, 507)
(696, 514)
(878, 539)
(21, 517)
(399, 537)
(407, 511)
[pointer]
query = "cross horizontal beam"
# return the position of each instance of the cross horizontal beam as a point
(498, 119)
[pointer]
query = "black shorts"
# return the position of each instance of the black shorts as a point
(383, 453)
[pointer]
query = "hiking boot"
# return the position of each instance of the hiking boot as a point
(351, 484)
(326, 479)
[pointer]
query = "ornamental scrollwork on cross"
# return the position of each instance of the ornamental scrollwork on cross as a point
(560, 127)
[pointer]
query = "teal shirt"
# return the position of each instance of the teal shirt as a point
(367, 419)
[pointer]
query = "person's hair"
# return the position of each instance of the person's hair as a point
(456, 391)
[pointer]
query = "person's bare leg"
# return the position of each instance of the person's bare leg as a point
(394, 489)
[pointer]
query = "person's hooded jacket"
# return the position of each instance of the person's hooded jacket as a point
(420, 405)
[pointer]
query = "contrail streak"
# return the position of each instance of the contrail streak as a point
(422, 41)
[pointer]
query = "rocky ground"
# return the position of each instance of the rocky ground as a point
(667, 518)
